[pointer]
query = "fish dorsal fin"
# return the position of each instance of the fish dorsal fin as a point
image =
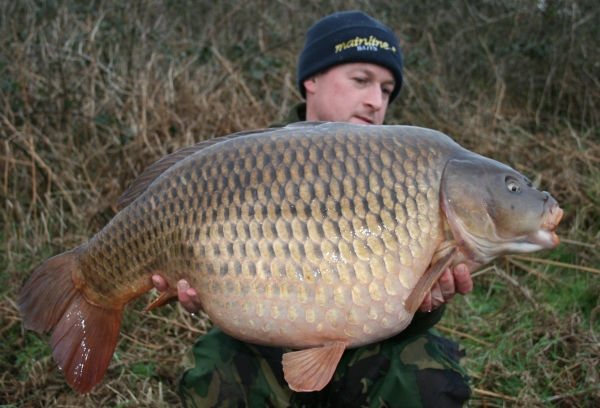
(426, 282)
(312, 369)
(151, 173)
(141, 183)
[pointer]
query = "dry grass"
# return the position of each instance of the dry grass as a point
(92, 94)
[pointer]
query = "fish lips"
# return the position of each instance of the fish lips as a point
(547, 237)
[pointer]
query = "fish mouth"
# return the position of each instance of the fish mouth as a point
(545, 237)
(552, 218)
(550, 222)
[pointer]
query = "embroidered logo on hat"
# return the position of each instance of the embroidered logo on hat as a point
(364, 44)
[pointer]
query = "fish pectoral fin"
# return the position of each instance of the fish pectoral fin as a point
(312, 369)
(165, 298)
(427, 281)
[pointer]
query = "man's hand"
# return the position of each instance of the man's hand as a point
(186, 294)
(457, 280)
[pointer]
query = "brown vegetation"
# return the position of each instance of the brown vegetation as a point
(93, 92)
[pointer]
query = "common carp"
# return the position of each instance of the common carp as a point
(317, 236)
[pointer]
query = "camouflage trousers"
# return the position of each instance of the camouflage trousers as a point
(421, 371)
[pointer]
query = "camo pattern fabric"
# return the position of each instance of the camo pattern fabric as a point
(421, 371)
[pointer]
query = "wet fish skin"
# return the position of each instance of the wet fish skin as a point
(307, 236)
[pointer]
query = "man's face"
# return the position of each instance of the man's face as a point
(356, 92)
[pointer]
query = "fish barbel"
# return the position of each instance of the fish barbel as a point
(316, 236)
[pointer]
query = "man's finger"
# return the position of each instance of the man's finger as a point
(447, 285)
(188, 296)
(426, 303)
(182, 288)
(194, 300)
(462, 279)
(159, 283)
(437, 298)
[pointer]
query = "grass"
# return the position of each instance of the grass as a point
(92, 93)
(535, 333)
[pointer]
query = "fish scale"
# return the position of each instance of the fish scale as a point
(318, 237)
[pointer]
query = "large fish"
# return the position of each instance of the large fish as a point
(318, 237)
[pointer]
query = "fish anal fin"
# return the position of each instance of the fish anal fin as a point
(84, 341)
(165, 298)
(427, 281)
(312, 369)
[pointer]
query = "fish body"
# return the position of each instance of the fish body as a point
(291, 238)
(317, 237)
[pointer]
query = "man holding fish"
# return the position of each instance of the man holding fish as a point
(321, 237)
(349, 71)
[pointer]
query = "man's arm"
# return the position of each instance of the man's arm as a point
(457, 280)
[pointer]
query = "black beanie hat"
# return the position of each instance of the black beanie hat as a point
(349, 36)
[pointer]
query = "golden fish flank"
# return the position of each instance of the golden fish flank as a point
(315, 236)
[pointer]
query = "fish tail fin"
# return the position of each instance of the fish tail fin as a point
(84, 335)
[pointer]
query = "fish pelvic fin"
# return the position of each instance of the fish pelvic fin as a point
(165, 298)
(84, 335)
(427, 281)
(312, 369)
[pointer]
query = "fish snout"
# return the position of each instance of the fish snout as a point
(552, 218)
(553, 212)
(547, 197)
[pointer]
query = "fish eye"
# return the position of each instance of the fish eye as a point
(513, 186)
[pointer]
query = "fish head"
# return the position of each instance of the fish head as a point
(494, 210)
